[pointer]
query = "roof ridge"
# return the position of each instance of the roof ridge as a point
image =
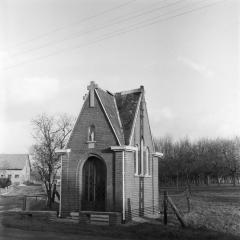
(136, 90)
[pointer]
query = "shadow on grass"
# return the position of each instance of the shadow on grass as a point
(132, 231)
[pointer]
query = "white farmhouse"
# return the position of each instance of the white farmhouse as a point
(15, 167)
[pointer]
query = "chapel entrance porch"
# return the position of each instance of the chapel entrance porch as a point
(94, 185)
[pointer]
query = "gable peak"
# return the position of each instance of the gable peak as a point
(91, 89)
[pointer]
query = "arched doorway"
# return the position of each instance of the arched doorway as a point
(94, 185)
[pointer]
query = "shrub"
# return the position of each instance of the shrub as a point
(5, 182)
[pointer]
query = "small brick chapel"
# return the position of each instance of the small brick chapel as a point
(110, 164)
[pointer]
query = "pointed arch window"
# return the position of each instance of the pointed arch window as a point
(142, 160)
(147, 162)
(91, 136)
(141, 157)
(136, 161)
(91, 133)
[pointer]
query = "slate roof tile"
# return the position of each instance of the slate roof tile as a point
(120, 109)
(13, 161)
(127, 107)
(108, 102)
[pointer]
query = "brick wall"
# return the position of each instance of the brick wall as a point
(132, 182)
(72, 166)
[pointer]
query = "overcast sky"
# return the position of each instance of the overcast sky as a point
(185, 53)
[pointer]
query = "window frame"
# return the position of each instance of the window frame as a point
(91, 129)
(147, 164)
(136, 159)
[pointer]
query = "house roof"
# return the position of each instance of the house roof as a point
(120, 109)
(13, 161)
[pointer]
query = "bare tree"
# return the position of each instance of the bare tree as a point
(204, 161)
(50, 133)
(230, 151)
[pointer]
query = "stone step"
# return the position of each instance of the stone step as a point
(99, 219)
(74, 214)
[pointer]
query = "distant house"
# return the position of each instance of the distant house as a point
(15, 167)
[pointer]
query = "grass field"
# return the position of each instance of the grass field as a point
(215, 214)
(212, 207)
(142, 231)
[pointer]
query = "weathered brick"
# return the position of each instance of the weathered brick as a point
(72, 165)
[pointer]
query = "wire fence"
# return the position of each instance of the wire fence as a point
(182, 201)
(23, 202)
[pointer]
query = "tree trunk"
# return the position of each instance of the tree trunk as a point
(54, 192)
(208, 180)
(218, 181)
(49, 196)
(177, 180)
(234, 179)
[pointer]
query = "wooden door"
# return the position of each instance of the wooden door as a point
(94, 181)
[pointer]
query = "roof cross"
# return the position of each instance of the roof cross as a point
(91, 89)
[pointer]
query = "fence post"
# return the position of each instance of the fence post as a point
(179, 217)
(188, 199)
(165, 207)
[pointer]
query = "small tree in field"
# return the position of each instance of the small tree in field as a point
(50, 133)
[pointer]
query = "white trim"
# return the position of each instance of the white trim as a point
(124, 148)
(123, 185)
(60, 203)
(135, 119)
(149, 125)
(147, 161)
(157, 154)
(136, 161)
(63, 151)
(142, 156)
(120, 123)
(107, 116)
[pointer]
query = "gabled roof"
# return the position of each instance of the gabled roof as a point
(127, 104)
(120, 109)
(13, 161)
(109, 105)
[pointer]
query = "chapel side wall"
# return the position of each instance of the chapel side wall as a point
(156, 184)
(131, 187)
(118, 190)
(150, 182)
(80, 152)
